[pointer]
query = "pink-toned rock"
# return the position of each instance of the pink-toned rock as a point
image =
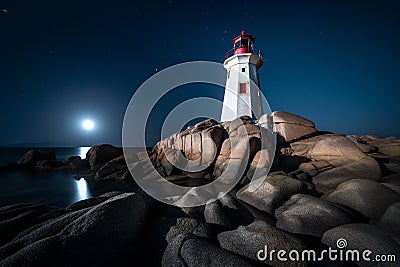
(389, 146)
(209, 144)
(362, 145)
(392, 149)
(335, 159)
(291, 126)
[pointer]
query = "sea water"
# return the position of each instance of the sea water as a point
(54, 187)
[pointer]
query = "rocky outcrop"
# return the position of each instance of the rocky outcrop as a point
(101, 154)
(93, 201)
(291, 126)
(237, 213)
(210, 146)
(45, 159)
(272, 193)
(304, 214)
(33, 156)
(113, 169)
(362, 237)
(248, 240)
(362, 145)
(390, 220)
(189, 250)
(195, 144)
(76, 163)
(334, 159)
(109, 227)
(322, 185)
(48, 164)
(16, 218)
(215, 214)
(368, 197)
(189, 225)
(389, 146)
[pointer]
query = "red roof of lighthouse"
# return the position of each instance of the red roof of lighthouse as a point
(243, 35)
(243, 44)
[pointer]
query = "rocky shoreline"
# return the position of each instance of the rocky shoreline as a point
(322, 187)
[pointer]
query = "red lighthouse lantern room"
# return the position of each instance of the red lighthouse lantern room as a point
(242, 44)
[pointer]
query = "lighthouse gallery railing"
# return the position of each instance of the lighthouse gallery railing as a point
(254, 51)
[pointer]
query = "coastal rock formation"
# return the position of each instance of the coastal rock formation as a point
(101, 154)
(237, 214)
(189, 225)
(248, 240)
(76, 163)
(362, 145)
(48, 164)
(304, 214)
(272, 193)
(64, 240)
(291, 126)
(189, 250)
(334, 159)
(33, 156)
(389, 146)
(214, 149)
(321, 187)
(363, 237)
(16, 218)
(113, 169)
(390, 220)
(214, 213)
(368, 197)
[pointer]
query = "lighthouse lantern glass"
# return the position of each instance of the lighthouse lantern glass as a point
(237, 43)
(244, 43)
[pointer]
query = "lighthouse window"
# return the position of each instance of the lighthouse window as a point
(243, 88)
(243, 69)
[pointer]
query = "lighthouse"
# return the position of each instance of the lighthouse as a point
(242, 94)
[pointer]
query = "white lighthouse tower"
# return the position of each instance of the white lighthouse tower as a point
(242, 96)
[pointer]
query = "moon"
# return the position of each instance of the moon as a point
(88, 124)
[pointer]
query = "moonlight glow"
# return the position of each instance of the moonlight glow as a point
(87, 124)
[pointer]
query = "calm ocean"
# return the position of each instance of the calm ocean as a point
(57, 188)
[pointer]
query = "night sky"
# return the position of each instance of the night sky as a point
(333, 62)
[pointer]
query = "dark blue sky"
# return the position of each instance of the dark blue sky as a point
(334, 62)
